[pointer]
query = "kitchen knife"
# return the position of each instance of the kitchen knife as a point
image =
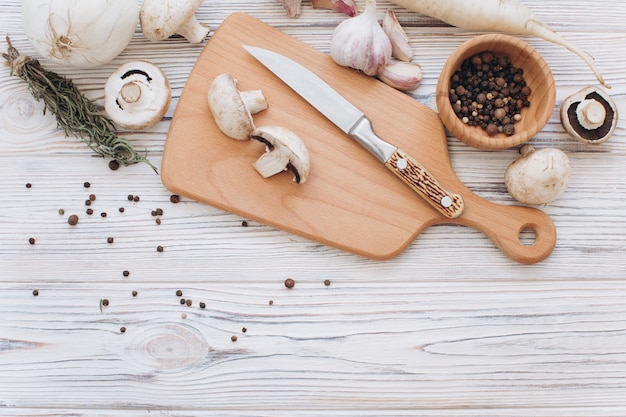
(355, 123)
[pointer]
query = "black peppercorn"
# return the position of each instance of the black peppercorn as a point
(182, 301)
(159, 248)
(105, 302)
(136, 198)
(175, 198)
(125, 273)
(202, 304)
(114, 165)
(179, 293)
(35, 293)
(289, 283)
(130, 197)
(31, 240)
(122, 329)
(327, 282)
(189, 303)
(134, 293)
(72, 220)
(233, 338)
(29, 185)
(86, 184)
(110, 240)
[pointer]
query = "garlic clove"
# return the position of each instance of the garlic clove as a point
(360, 42)
(404, 76)
(292, 7)
(344, 6)
(400, 47)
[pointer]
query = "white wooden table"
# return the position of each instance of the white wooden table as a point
(449, 327)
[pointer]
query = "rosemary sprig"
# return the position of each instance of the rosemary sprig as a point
(74, 112)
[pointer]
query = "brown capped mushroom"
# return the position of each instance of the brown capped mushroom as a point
(232, 109)
(590, 115)
(160, 19)
(137, 95)
(538, 176)
(284, 150)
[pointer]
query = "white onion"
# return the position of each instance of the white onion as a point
(79, 33)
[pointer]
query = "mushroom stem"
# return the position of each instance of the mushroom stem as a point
(130, 92)
(254, 100)
(193, 31)
(591, 113)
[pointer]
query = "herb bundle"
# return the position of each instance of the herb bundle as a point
(74, 112)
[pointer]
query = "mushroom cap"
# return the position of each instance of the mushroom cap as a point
(137, 95)
(539, 176)
(228, 108)
(285, 150)
(160, 19)
(578, 110)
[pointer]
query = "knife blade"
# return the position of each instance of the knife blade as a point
(355, 123)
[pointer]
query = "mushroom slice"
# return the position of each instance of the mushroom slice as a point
(232, 109)
(590, 115)
(160, 19)
(284, 150)
(137, 95)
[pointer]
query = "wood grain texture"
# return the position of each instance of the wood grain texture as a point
(450, 327)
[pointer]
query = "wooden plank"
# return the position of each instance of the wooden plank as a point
(427, 346)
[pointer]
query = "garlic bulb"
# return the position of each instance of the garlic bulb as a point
(77, 33)
(360, 42)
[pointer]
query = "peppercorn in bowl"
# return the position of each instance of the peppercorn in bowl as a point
(495, 92)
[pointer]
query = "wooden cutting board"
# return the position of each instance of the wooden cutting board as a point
(350, 201)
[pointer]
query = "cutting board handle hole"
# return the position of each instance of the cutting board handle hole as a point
(528, 236)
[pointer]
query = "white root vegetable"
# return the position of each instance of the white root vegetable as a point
(508, 16)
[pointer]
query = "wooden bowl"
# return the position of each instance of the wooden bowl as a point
(537, 76)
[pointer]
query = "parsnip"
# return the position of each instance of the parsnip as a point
(507, 16)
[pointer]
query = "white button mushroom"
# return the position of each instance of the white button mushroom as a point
(538, 176)
(160, 19)
(284, 150)
(137, 95)
(232, 109)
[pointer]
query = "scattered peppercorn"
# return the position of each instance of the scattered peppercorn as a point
(31, 240)
(114, 165)
(130, 197)
(289, 283)
(183, 316)
(110, 240)
(189, 303)
(126, 273)
(92, 197)
(202, 305)
(136, 198)
(72, 220)
(182, 301)
(158, 221)
(159, 212)
(61, 211)
(89, 211)
(175, 198)
(244, 330)
(159, 248)
(154, 213)
(134, 293)
(105, 302)
(121, 209)
(179, 293)
(244, 223)
(490, 92)
(29, 185)
(86, 184)
(103, 214)
(271, 302)
(233, 338)
(122, 329)
(327, 282)
(87, 202)
(35, 293)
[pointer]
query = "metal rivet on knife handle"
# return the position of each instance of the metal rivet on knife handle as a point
(424, 183)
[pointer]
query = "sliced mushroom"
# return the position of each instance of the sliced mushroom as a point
(284, 150)
(160, 19)
(590, 115)
(232, 109)
(137, 95)
(538, 176)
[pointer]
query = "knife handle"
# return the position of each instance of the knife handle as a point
(425, 184)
